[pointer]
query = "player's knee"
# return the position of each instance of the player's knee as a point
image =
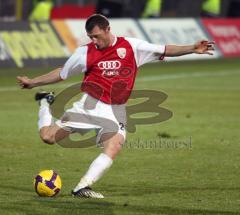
(118, 147)
(113, 150)
(48, 138)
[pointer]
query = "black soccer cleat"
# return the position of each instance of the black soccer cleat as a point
(87, 192)
(49, 96)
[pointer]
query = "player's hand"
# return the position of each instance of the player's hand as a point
(24, 82)
(204, 47)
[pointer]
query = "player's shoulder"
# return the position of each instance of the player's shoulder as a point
(81, 49)
(134, 41)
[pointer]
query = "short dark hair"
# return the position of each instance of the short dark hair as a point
(96, 20)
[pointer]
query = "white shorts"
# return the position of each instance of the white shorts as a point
(92, 114)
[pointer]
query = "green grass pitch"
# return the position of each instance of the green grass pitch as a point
(201, 177)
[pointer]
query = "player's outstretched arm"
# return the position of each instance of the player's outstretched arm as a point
(49, 78)
(201, 47)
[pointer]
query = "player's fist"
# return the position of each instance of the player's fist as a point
(24, 82)
(204, 47)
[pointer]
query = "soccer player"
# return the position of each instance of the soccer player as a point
(109, 64)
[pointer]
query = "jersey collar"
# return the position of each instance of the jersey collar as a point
(115, 40)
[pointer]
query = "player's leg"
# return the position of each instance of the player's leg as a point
(112, 146)
(111, 136)
(49, 132)
(53, 134)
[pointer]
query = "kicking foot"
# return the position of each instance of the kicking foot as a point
(49, 96)
(87, 192)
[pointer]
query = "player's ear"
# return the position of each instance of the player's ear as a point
(108, 29)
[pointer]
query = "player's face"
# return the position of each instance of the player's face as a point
(100, 37)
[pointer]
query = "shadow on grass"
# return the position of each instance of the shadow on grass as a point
(66, 204)
(13, 189)
(98, 207)
(173, 210)
(141, 190)
(57, 206)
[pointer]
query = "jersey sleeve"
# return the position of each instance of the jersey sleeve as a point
(75, 64)
(146, 52)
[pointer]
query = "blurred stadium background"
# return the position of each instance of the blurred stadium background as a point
(21, 9)
(194, 167)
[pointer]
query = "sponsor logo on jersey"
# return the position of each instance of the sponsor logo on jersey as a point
(110, 73)
(121, 52)
(109, 65)
(109, 68)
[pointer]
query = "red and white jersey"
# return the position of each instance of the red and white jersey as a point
(110, 73)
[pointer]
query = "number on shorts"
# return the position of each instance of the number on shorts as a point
(121, 126)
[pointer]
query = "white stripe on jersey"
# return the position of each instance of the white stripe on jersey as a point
(144, 51)
(76, 64)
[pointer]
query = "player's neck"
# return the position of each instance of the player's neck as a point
(113, 39)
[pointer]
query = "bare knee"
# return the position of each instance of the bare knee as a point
(53, 134)
(113, 147)
(113, 151)
(47, 137)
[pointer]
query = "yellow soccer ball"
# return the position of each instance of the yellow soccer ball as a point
(47, 183)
